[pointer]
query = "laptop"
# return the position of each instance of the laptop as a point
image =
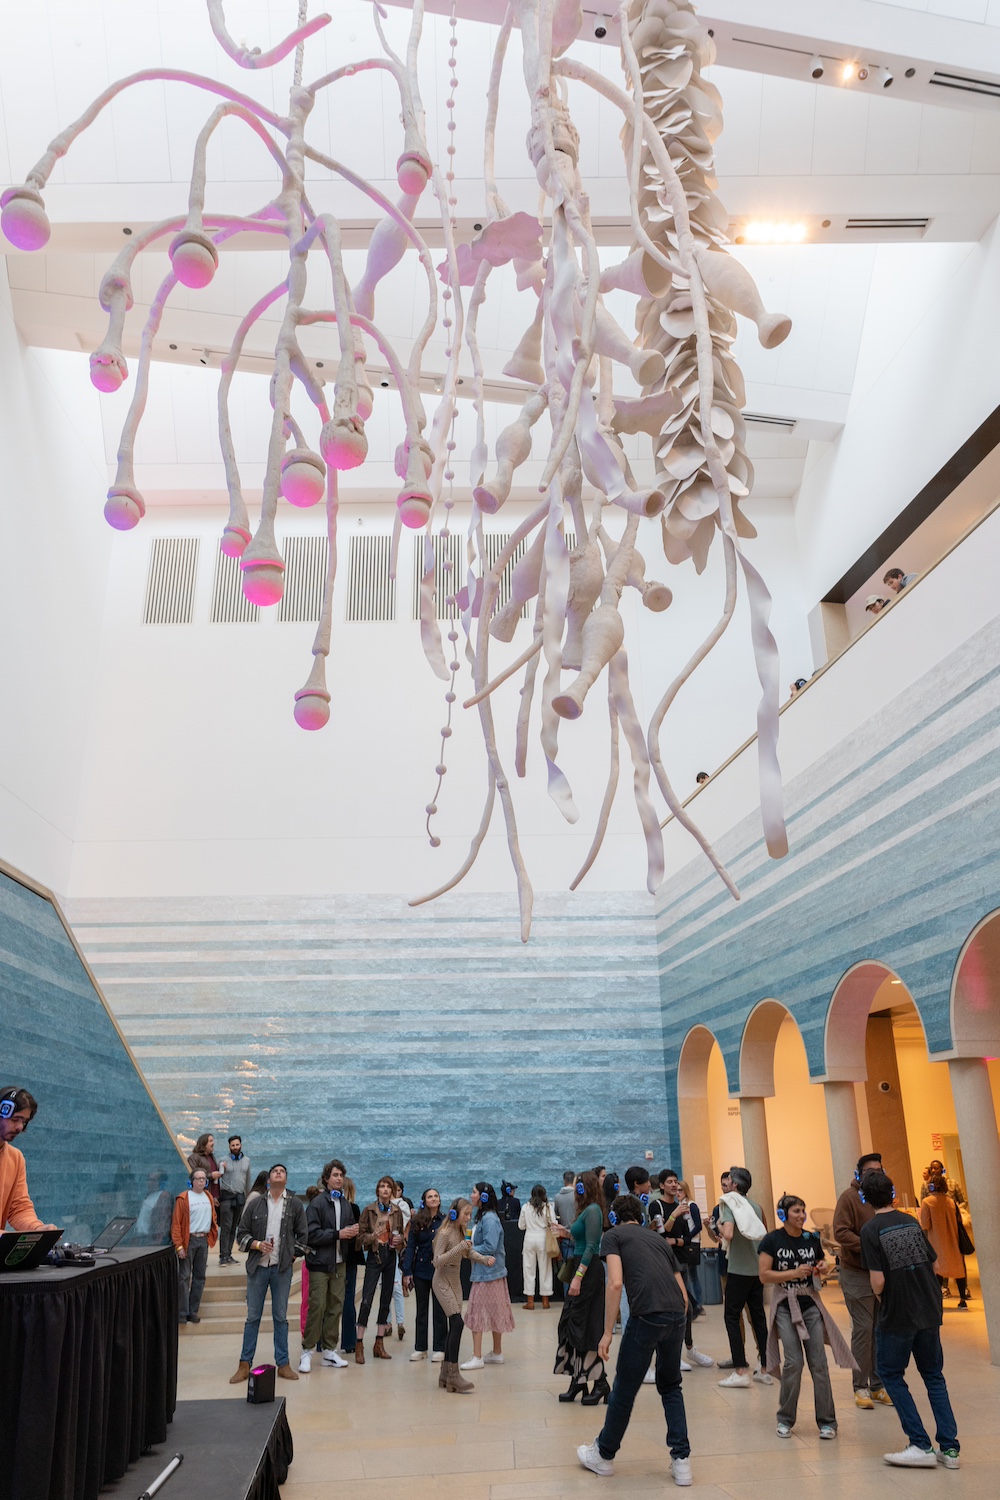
(109, 1236)
(23, 1250)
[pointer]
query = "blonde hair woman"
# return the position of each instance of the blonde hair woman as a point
(450, 1248)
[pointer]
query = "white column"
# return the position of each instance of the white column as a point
(977, 1129)
(757, 1153)
(845, 1132)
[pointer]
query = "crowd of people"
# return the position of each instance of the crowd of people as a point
(628, 1252)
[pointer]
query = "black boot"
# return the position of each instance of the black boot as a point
(599, 1391)
(575, 1387)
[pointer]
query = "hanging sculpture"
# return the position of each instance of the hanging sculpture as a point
(688, 289)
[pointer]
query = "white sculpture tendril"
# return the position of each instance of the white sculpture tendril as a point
(688, 289)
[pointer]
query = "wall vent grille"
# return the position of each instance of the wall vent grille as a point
(764, 419)
(988, 87)
(305, 576)
(446, 580)
(887, 222)
(495, 542)
(371, 593)
(173, 570)
(230, 606)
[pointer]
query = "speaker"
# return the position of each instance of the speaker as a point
(260, 1387)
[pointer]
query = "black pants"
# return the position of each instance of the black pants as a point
(230, 1211)
(425, 1297)
(379, 1267)
(745, 1291)
(456, 1327)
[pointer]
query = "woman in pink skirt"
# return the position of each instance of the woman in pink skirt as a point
(489, 1300)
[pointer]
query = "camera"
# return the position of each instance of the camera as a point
(885, 1088)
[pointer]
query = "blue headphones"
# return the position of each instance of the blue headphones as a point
(644, 1199)
(580, 1189)
(612, 1216)
(453, 1214)
(8, 1104)
(383, 1207)
(484, 1196)
(782, 1216)
(336, 1193)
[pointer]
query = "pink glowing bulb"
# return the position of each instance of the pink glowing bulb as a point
(107, 371)
(412, 173)
(312, 709)
(414, 508)
(343, 443)
(23, 219)
(303, 477)
(124, 509)
(263, 582)
(234, 541)
(194, 260)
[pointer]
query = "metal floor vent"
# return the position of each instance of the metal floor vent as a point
(446, 580)
(230, 606)
(305, 575)
(371, 593)
(173, 569)
(989, 87)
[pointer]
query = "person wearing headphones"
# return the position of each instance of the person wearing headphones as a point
(849, 1218)
(380, 1234)
(450, 1248)
(194, 1230)
(17, 1110)
(791, 1259)
(489, 1296)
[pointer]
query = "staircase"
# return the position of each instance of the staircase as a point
(224, 1302)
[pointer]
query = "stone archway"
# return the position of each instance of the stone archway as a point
(693, 1107)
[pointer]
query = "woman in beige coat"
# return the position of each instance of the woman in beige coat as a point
(450, 1248)
(939, 1221)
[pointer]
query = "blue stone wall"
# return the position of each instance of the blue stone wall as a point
(430, 1042)
(894, 857)
(98, 1146)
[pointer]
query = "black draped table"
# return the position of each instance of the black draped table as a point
(88, 1372)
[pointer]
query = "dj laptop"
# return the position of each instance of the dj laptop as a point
(24, 1249)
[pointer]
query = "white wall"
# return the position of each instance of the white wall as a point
(55, 547)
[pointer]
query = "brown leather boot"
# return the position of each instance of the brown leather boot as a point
(359, 1353)
(242, 1373)
(457, 1382)
(379, 1351)
(443, 1375)
(285, 1372)
(530, 1304)
(545, 1302)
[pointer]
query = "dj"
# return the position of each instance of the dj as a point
(17, 1110)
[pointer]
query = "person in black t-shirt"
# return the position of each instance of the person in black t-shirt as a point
(651, 1274)
(901, 1262)
(790, 1257)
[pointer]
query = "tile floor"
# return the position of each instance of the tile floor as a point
(391, 1428)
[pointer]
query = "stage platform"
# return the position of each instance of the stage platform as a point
(232, 1451)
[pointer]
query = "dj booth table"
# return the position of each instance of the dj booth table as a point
(88, 1372)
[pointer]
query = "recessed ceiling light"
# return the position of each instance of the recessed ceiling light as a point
(768, 232)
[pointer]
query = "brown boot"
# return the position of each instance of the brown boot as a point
(457, 1382)
(443, 1375)
(545, 1303)
(359, 1353)
(285, 1372)
(530, 1304)
(242, 1373)
(379, 1351)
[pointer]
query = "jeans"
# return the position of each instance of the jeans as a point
(258, 1282)
(745, 1291)
(230, 1210)
(380, 1272)
(349, 1316)
(661, 1334)
(893, 1355)
(398, 1305)
(191, 1278)
(693, 1285)
(426, 1299)
(796, 1353)
(326, 1301)
(862, 1304)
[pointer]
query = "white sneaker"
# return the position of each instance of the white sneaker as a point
(418, 1354)
(826, 1431)
(590, 1456)
(437, 1356)
(736, 1379)
(700, 1359)
(331, 1357)
(685, 1367)
(493, 1359)
(680, 1468)
(912, 1457)
(783, 1429)
(949, 1457)
(650, 1376)
(472, 1364)
(305, 1362)
(762, 1377)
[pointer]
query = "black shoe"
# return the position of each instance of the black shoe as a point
(193, 1318)
(575, 1387)
(599, 1391)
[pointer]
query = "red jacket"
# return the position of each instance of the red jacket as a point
(180, 1224)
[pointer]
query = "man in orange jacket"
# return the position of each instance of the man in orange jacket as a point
(194, 1230)
(17, 1110)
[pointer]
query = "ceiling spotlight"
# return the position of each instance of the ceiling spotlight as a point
(816, 67)
(848, 71)
(863, 72)
(601, 28)
(885, 77)
(767, 232)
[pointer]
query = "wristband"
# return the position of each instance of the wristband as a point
(579, 1275)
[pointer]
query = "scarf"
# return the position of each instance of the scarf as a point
(832, 1335)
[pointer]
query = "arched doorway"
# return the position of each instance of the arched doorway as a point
(709, 1119)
